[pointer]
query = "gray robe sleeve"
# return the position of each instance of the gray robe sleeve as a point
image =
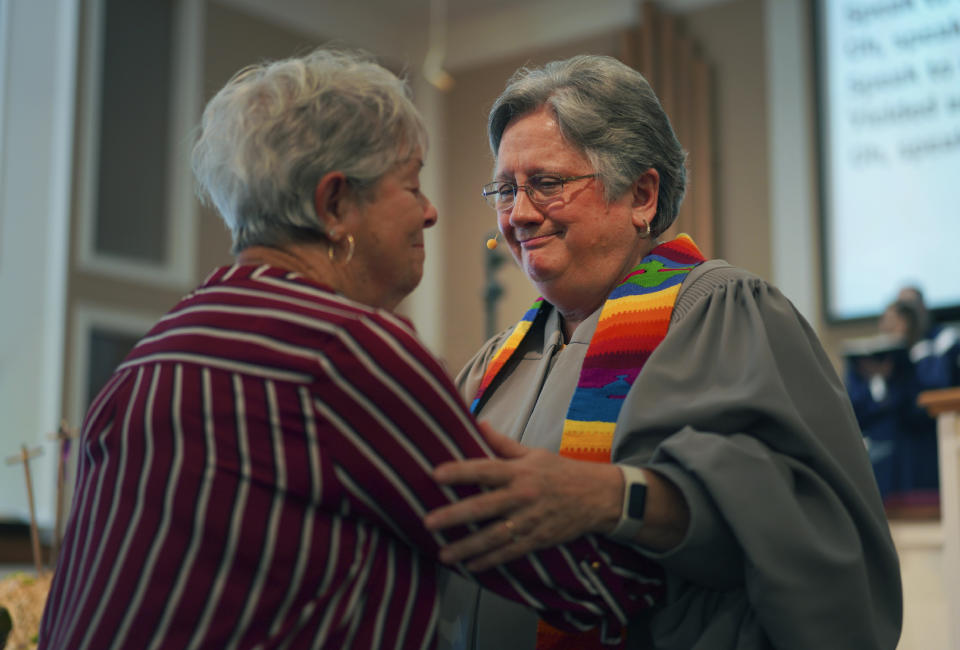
(742, 409)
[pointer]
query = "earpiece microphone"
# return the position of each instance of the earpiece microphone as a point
(493, 241)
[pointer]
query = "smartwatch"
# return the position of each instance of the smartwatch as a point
(634, 503)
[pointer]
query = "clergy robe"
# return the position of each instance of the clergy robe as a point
(788, 545)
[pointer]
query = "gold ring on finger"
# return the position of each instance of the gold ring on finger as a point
(511, 530)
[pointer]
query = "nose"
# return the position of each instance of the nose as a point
(430, 214)
(524, 211)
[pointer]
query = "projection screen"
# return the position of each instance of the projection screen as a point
(888, 82)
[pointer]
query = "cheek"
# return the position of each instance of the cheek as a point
(506, 231)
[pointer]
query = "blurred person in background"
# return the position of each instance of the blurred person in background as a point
(883, 387)
(936, 350)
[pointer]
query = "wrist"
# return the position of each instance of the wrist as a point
(607, 498)
(633, 504)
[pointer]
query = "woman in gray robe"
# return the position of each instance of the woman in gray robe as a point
(760, 502)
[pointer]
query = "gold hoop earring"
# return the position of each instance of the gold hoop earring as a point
(644, 232)
(351, 245)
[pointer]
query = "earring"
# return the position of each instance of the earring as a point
(644, 232)
(351, 245)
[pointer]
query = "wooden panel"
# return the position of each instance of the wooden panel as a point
(702, 154)
(667, 64)
(940, 401)
(681, 118)
(648, 43)
(630, 47)
(669, 59)
(667, 73)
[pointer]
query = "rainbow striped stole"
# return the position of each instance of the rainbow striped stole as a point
(632, 323)
(501, 356)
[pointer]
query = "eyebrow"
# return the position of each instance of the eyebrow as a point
(412, 166)
(538, 171)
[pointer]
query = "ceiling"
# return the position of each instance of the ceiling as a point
(473, 31)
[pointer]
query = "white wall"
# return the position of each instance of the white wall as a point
(424, 306)
(38, 61)
(793, 193)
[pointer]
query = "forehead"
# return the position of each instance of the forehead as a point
(532, 143)
(411, 165)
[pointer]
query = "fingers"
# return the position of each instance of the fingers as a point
(498, 542)
(480, 507)
(489, 472)
(487, 505)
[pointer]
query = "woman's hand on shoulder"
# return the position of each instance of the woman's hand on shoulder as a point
(536, 499)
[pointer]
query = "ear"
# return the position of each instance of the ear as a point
(330, 200)
(646, 191)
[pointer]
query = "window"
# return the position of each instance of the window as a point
(141, 99)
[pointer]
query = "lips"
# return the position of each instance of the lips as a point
(537, 240)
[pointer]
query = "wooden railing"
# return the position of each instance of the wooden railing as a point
(945, 406)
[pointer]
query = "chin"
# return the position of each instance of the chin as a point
(538, 272)
(411, 283)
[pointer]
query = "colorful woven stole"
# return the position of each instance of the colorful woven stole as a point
(632, 323)
(501, 356)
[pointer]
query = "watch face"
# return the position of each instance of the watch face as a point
(638, 501)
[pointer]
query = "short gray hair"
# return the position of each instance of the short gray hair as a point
(276, 128)
(609, 111)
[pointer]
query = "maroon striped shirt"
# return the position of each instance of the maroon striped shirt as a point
(255, 474)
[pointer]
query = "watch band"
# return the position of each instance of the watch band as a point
(634, 503)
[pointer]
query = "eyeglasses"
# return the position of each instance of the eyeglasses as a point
(501, 195)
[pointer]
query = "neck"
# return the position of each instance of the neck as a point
(309, 260)
(576, 309)
(568, 327)
(313, 262)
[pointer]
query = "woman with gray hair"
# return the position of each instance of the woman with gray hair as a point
(679, 404)
(256, 471)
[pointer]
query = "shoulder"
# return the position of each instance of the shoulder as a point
(471, 375)
(469, 378)
(293, 293)
(315, 317)
(712, 280)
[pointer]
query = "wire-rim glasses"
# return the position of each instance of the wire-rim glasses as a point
(501, 195)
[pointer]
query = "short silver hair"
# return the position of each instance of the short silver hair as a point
(608, 111)
(273, 131)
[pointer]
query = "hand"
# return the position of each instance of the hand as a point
(546, 498)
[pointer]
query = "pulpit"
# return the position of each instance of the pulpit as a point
(944, 405)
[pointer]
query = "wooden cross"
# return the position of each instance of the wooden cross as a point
(24, 457)
(63, 436)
